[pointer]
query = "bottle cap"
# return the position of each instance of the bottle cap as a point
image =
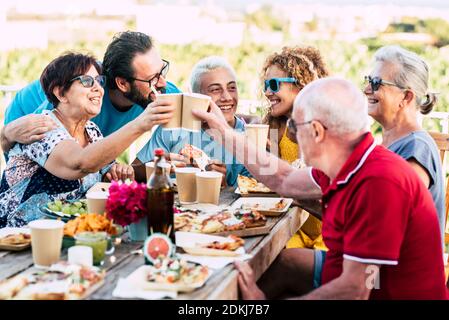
(159, 152)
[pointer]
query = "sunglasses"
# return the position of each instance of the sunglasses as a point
(88, 81)
(292, 126)
(376, 82)
(275, 83)
(154, 80)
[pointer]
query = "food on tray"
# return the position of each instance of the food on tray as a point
(176, 271)
(68, 208)
(195, 156)
(16, 239)
(89, 222)
(226, 220)
(232, 244)
(62, 281)
(250, 185)
(278, 206)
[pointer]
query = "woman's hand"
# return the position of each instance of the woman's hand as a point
(120, 171)
(157, 112)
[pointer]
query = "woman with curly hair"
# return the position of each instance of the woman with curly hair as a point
(284, 75)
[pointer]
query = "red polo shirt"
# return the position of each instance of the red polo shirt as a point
(377, 211)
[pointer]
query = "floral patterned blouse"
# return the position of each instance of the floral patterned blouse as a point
(26, 185)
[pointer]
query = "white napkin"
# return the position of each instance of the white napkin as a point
(214, 262)
(125, 290)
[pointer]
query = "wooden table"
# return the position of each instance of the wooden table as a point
(221, 285)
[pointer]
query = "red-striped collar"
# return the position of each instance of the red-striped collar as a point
(354, 162)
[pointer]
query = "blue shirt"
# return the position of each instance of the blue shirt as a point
(32, 99)
(419, 145)
(174, 140)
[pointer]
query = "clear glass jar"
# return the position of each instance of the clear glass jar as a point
(98, 241)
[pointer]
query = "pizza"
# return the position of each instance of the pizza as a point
(62, 281)
(226, 220)
(196, 156)
(232, 244)
(176, 271)
(278, 206)
(16, 239)
(250, 185)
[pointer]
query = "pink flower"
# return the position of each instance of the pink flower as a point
(127, 202)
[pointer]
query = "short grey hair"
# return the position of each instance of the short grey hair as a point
(412, 72)
(206, 65)
(337, 103)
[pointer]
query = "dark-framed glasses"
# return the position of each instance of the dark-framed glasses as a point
(376, 82)
(275, 83)
(292, 126)
(88, 81)
(154, 80)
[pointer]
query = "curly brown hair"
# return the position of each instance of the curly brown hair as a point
(305, 64)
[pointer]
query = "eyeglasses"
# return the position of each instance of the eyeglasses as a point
(292, 126)
(376, 82)
(154, 80)
(88, 81)
(275, 83)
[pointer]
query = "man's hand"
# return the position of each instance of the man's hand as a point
(215, 120)
(120, 171)
(247, 283)
(27, 129)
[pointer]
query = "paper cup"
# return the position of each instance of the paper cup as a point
(208, 186)
(193, 101)
(96, 201)
(149, 168)
(258, 134)
(46, 241)
(186, 182)
(81, 255)
(176, 98)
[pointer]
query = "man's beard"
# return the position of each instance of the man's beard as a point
(138, 98)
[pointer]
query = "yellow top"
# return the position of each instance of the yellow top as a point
(288, 150)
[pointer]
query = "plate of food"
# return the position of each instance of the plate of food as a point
(238, 222)
(15, 239)
(170, 274)
(62, 281)
(89, 222)
(64, 210)
(250, 187)
(267, 206)
(208, 245)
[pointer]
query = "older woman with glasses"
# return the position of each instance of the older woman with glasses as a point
(73, 156)
(397, 89)
(284, 75)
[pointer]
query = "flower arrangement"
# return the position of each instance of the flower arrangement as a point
(127, 202)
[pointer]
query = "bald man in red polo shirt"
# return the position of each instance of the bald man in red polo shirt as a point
(379, 221)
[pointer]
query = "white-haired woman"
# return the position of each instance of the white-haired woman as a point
(397, 89)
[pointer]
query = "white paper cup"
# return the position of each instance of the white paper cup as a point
(176, 99)
(82, 255)
(208, 185)
(193, 101)
(186, 182)
(46, 241)
(96, 201)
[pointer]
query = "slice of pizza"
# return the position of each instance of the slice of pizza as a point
(250, 185)
(251, 218)
(195, 156)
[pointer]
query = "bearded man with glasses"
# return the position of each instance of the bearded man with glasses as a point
(131, 65)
